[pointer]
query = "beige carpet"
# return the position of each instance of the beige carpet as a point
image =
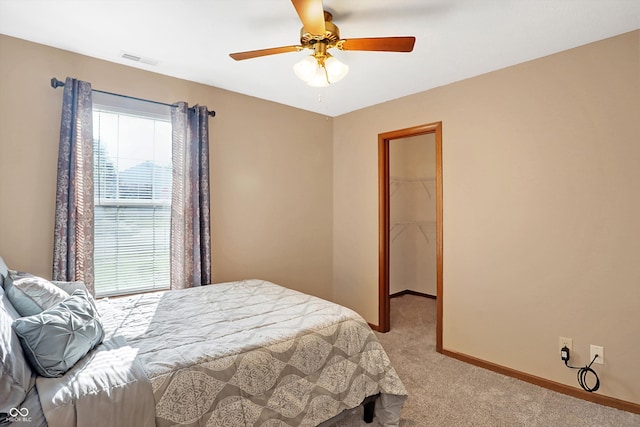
(447, 392)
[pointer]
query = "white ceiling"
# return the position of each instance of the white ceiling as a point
(192, 39)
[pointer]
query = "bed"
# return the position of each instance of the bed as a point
(246, 353)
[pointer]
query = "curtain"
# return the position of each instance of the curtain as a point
(190, 241)
(73, 231)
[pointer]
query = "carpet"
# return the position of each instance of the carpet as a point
(447, 392)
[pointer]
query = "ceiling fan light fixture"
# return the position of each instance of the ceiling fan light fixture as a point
(306, 69)
(336, 70)
(319, 78)
(320, 72)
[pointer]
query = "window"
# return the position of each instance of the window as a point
(132, 185)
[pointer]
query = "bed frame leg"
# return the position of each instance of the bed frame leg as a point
(369, 408)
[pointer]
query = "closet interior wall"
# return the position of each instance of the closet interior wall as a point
(412, 215)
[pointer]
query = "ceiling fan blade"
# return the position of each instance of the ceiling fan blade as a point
(385, 44)
(239, 56)
(311, 14)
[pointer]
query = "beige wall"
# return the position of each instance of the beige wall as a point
(271, 169)
(541, 193)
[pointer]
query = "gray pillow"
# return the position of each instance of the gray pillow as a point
(31, 294)
(3, 271)
(70, 287)
(15, 371)
(57, 338)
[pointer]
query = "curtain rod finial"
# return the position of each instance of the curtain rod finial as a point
(55, 83)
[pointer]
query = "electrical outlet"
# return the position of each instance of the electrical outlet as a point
(565, 342)
(599, 350)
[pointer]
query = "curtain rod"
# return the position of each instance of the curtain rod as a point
(55, 83)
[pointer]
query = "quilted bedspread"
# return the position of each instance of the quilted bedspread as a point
(252, 353)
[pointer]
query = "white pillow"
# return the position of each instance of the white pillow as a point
(31, 294)
(4, 270)
(16, 377)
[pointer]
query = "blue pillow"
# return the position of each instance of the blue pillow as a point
(54, 340)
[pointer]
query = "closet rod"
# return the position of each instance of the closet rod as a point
(55, 83)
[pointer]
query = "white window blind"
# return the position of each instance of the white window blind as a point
(132, 184)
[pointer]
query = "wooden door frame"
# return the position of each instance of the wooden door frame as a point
(384, 315)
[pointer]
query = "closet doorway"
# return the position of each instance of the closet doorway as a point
(412, 174)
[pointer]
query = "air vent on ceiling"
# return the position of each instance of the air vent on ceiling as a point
(136, 58)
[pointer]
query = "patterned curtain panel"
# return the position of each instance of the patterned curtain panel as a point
(73, 233)
(190, 230)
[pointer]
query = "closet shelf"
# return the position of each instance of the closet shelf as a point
(402, 179)
(413, 222)
(403, 225)
(395, 182)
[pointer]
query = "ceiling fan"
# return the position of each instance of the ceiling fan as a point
(319, 34)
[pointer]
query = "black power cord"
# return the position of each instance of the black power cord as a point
(582, 372)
